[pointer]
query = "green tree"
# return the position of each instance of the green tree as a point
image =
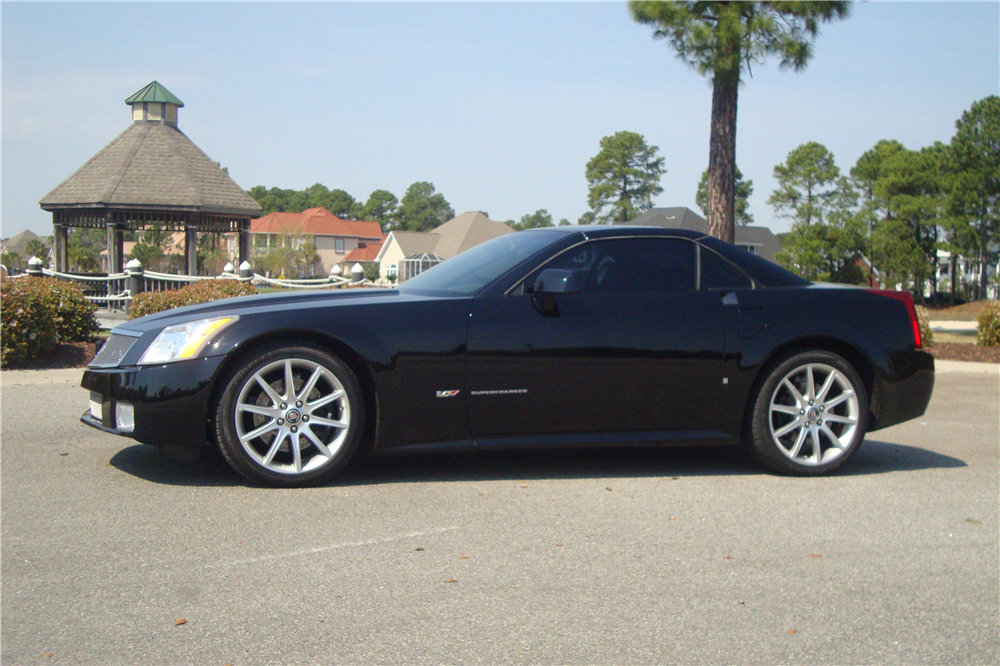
(287, 254)
(36, 248)
(975, 184)
(380, 207)
(743, 188)
(13, 260)
(540, 218)
(211, 255)
(587, 218)
(422, 209)
(623, 177)
(828, 249)
(151, 247)
(719, 39)
(913, 190)
(807, 184)
(83, 248)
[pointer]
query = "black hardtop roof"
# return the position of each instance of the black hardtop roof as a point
(601, 231)
(764, 272)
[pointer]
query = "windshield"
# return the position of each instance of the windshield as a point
(468, 272)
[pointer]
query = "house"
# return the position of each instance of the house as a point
(407, 253)
(365, 253)
(335, 238)
(757, 240)
(18, 244)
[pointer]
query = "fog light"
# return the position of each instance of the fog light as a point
(125, 417)
(96, 408)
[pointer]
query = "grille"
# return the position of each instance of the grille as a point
(96, 408)
(114, 350)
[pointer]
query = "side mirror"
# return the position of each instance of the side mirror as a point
(552, 282)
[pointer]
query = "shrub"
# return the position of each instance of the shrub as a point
(203, 291)
(926, 332)
(988, 334)
(39, 312)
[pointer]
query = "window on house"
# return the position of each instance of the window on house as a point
(340, 246)
(752, 249)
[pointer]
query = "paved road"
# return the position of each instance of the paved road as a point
(638, 556)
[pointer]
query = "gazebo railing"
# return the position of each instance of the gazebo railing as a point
(114, 291)
(108, 291)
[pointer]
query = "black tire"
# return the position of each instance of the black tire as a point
(786, 421)
(283, 424)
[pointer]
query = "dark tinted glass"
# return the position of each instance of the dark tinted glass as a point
(716, 273)
(470, 271)
(763, 271)
(634, 264)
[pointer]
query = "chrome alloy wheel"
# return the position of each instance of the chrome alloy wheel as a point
(814, 414)
(292, 416)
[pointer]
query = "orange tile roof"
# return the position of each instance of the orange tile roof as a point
(366, 253)
(315, 222)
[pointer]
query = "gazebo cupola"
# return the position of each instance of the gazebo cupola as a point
(156, 104)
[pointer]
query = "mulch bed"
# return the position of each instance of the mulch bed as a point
(63, 355)
(79, 354)
(959, 351)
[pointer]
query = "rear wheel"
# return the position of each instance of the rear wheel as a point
(809, 415)
(291, 416)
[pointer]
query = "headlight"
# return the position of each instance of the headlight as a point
(183, 341)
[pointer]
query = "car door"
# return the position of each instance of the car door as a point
(638, 349)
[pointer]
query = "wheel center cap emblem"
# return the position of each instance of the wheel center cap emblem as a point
(813, 414)
(293, 416)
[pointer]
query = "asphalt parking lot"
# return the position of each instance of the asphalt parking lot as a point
(579, 556)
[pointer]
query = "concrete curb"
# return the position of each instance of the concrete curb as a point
(27, 377)
(967, 366)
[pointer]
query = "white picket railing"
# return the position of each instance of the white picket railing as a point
(114, 291)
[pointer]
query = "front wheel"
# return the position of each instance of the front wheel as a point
(809, 415)
(291, 416)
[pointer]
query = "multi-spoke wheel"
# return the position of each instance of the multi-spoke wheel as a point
(292, 416)
(809, 415)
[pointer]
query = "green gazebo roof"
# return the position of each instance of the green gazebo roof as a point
(154, 92)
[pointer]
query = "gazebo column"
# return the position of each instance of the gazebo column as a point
(61, 238)
(191, 248)
(244, 241)
(116, 246)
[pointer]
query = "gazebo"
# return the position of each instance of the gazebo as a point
(150, 175)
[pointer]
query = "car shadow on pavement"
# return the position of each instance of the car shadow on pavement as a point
(875, 457)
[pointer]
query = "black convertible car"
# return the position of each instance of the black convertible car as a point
(571, 336)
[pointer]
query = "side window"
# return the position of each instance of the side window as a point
(717, 273)
(339, 249)
(633, 264)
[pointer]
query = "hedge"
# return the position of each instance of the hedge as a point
(926, 332)
(151, 302)
(988, 330)
(39, 312)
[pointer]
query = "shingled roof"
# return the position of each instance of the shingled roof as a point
(152, 166)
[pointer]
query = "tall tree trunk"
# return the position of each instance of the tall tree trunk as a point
(722, 156)
(954, 276)
(983, 241)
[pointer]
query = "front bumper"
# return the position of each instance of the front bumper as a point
(171, 401)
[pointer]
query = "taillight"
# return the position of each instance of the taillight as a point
(907, 300)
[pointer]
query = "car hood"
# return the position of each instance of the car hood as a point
(248, 305)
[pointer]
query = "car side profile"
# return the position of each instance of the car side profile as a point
(568, 336)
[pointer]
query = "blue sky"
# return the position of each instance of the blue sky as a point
(500, 105)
